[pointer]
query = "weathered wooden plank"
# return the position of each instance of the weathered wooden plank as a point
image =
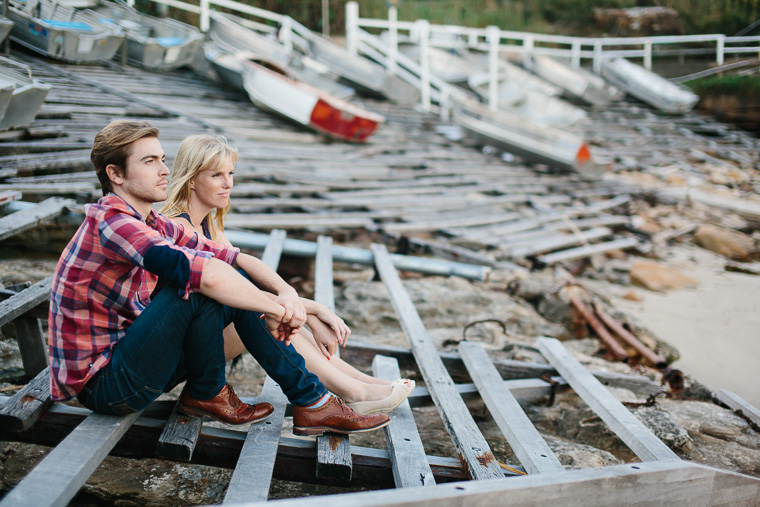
(23, 409)
(25, 300)
(30, 217)
(471, 445)
(560, 241)
(408, 460)
(58, 477)
(620, 420)
(180, 436)
(333, 449)
(253, 473)
(740, 405)
(675, 483)
(274, 248)
(586, 251)
(31, 344)
(297, 220)
(526, 442)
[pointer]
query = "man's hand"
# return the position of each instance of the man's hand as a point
(280, 330)
(295, 311)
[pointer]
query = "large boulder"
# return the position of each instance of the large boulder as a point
(728, 243)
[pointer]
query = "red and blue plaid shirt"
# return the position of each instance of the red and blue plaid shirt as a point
(103, 283)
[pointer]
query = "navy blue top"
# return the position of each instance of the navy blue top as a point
(204, 224)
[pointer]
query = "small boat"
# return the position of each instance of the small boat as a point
(5, 27)
(450, 65)
(518, 135)
(21, 95)
(576, 83)
(272, 89)
(528, 102)
(62, 32)
(152, 43)
(649, 87)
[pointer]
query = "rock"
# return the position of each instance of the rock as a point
(632, 296)
(732, 244)
(658, 277)
(575, 456)
(666, 429)
(639, 21)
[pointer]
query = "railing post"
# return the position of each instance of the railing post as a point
(352, 27)
(326, 18)
(205, 13)
(423, 33)
(721, 48)
(575, 55)
(528, 52)
(648, 54)
(392, 39)
(598, 56)
(131, 3)
(472, 38)
(494, 37)
(286, 33)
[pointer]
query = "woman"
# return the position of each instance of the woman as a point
(199, 197)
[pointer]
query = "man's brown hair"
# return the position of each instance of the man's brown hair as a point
(112, 146)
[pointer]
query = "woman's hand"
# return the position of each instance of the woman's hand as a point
(335, 323)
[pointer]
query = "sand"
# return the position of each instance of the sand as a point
(715, 326)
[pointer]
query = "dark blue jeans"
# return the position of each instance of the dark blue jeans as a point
(175, 339)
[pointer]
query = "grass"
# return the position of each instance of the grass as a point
(741, 86)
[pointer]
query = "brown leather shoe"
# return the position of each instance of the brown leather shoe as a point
(225, 407)
(336, 417)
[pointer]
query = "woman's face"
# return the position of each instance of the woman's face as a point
(211, 188)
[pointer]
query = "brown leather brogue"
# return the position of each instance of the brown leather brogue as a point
(336, 417)
(225, 407)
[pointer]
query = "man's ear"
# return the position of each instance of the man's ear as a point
(115, 174)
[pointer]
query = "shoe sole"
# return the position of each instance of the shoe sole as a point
(193, 412)
(310, 431)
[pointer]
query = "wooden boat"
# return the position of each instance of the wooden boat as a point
(62, 32)
(648, 86)
(5, 27)
(21, 95)
(520, 136)
(277, 90)
(524, 101)
(576, 83)
(152, 43)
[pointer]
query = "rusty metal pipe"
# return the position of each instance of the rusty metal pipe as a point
(617, 327)
(613, 347)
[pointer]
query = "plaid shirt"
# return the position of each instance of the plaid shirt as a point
(102, 284)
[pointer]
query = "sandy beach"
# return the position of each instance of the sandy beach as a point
(715, 326)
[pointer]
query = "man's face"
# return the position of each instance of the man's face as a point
(145, 180)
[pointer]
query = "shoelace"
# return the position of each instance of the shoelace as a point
(233, 397)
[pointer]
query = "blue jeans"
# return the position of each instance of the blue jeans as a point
(175, 339)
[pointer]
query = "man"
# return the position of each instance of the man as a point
(117, 348)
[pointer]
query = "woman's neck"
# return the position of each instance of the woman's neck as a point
(197, 213)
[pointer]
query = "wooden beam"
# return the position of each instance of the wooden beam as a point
(739, 405)
(620, 420)
(31, 344)
(180, 436)
(527, 444)
(23, 409)
(25, 300)
(58, 477)
(408, 460)
(470, 444)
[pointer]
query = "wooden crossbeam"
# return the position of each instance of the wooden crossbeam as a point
(739, 404)
(23, 409)
(408, 460)
(527, 444)
(25, 300)
(31, 217)
(620, 420)
(58, 477)
(468, 440)
(333, 449)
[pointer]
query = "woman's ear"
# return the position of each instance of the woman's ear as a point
(115, 174)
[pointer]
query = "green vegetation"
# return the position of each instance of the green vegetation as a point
(741, 86)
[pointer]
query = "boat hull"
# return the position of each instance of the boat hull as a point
(26, 97)
(577, 83)
(308, 106)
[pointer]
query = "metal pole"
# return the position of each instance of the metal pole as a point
(205, 8)
(648, 54)
(721, 48)
(352, 27)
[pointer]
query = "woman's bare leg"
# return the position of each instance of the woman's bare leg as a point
(233, 346)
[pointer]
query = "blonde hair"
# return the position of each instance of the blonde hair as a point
(202, 152)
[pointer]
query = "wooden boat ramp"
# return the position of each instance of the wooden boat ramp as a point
(408, 182)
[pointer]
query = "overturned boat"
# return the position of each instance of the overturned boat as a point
(649, 87)
(62, 32)
(152, 43)
(21, 95)
(273, 88)
(527, 102)
(576, 83)
(450, 65)
(518, 135)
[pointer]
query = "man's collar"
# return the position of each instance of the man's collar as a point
(115, 200)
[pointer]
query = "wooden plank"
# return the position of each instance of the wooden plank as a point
(297, 220)
(672, 483)
(23, 409)
(31, 344)
(58, 477)
(253, 473)
(410, 466)
(274, 248)
(25, 300)
(559, 241)
(620, 420)
(32, 216)
(333, 449)
(739, 405)
(527, 444)
(466, 436)
(180, 436)
(586, 251)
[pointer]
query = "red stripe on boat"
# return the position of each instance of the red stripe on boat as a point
(341, 125)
